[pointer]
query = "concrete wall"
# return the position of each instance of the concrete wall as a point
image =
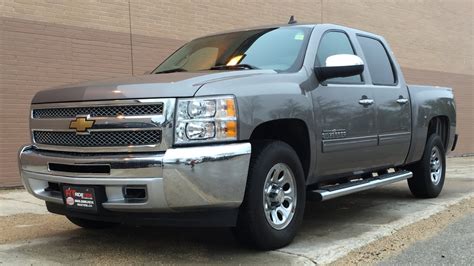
(51, 42)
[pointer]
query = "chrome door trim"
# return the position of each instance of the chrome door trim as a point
(333, 145)
(394, 138)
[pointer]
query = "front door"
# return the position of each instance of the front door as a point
(345, 115)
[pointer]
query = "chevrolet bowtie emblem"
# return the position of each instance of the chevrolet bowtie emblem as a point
(81, 124)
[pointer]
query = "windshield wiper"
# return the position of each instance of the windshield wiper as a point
(234, 67)
(171, 71)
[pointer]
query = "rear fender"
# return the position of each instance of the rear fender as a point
(427, 103)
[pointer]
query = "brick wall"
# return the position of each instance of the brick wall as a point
(44, 43)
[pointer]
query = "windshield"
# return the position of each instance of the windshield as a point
(280, 49)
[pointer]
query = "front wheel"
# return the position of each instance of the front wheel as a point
(429, 172)
(274, 201)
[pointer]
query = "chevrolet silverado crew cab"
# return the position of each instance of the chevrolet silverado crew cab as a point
(238, 129)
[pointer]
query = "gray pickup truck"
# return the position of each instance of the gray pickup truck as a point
(239, 129)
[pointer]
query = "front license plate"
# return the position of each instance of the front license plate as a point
(80, 198)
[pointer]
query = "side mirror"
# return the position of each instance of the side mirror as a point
(340, 65)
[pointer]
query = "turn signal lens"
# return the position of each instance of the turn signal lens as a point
(231, 129)
(230, 107)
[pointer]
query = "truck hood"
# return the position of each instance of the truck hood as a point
(182, 84)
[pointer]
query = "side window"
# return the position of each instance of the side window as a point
(378, 62)
(332, 43)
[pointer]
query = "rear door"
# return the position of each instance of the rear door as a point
(392, 103)
(345, 113)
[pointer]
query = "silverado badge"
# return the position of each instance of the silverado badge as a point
(81, 124)
(334, 134)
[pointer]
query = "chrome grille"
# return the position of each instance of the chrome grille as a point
(98, 138)
(146, 126)
(100, 111)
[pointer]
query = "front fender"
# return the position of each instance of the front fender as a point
(265, 98)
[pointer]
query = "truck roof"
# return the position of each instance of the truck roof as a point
(307, 25)
(260, 27)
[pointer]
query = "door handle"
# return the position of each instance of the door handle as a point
(366, 101)
(402, 100)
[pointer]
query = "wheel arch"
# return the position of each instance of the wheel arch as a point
(439, 125)
(293, 131)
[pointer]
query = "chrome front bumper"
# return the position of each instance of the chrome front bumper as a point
(179, 179)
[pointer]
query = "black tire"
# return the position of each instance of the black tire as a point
(421, 184)
(252, 225)
(91, 224)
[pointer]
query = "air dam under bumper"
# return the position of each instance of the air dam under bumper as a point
(188, 178)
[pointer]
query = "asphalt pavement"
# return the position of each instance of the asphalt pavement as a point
(452, 246)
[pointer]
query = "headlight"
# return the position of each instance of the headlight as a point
(206, 119)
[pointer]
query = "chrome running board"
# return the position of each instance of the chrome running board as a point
(334, 191)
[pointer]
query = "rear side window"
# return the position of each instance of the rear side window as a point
(377, 60)
(332, 43)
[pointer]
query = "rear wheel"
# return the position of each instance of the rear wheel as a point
(91, 224)
(274, 199)
(429, 172)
